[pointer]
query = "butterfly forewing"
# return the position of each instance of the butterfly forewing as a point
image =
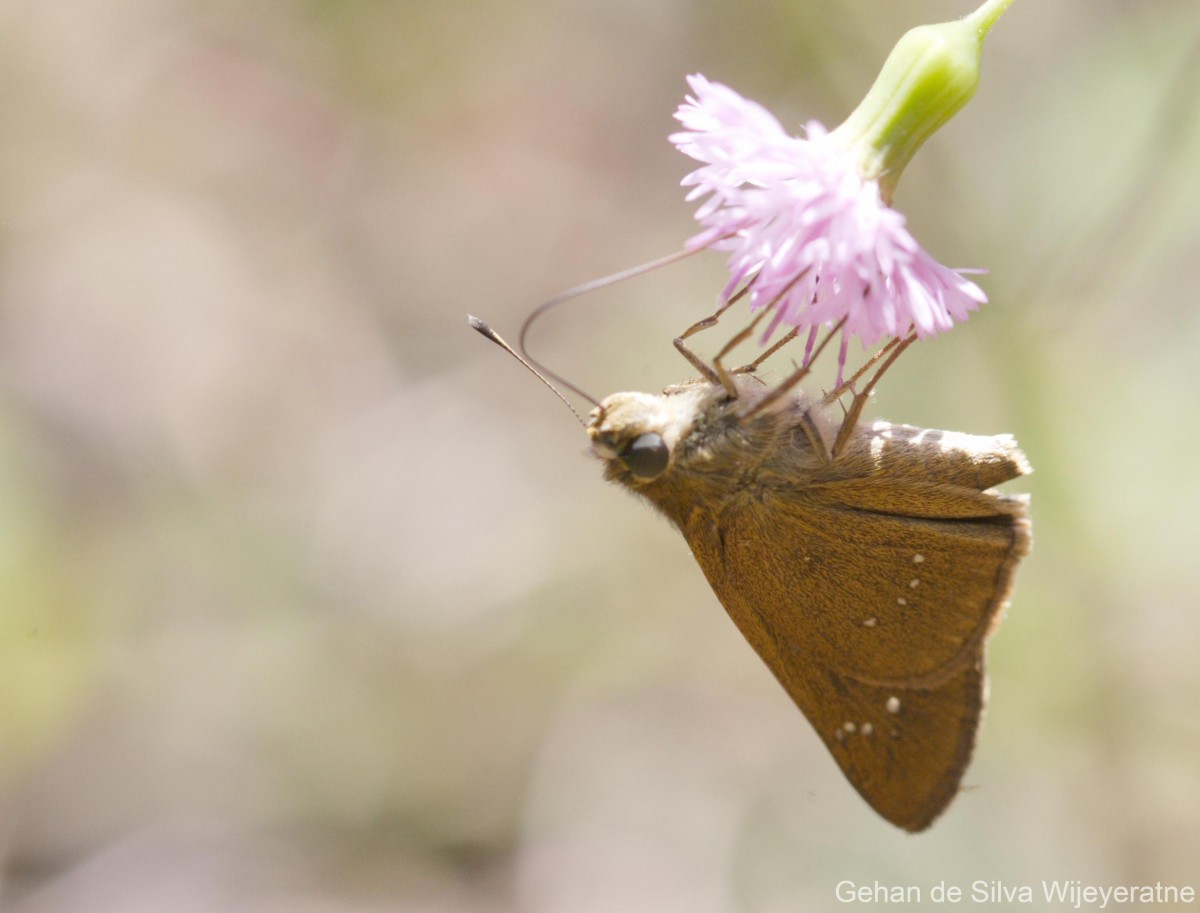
(885, 599)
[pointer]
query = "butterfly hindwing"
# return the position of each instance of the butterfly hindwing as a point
(903, 749)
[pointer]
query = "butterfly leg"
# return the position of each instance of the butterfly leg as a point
(894, 349)
(715, 373)
(711, 320)
(848, 385)
(800, 373)
(733, 343)
(753, 366)
(696, 361)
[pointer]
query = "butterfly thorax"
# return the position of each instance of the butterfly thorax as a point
(719, 449)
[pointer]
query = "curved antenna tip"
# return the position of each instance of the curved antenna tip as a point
(488, 333)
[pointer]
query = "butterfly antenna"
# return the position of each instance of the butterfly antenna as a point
(488, 333)
(544, 374)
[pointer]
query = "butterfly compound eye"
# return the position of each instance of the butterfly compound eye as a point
(647, 455)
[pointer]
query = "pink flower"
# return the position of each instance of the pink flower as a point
(805, 230)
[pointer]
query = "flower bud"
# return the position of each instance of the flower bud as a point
(930, 75)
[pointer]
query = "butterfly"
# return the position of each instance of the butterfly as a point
(866, 563)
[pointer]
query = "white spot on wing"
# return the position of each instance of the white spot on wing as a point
(893, 704)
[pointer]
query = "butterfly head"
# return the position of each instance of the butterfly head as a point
(638, 435)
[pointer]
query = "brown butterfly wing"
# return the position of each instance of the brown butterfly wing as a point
(821, 582)
(903, 749)
(890, 600)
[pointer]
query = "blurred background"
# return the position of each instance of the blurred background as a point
(312, 600)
